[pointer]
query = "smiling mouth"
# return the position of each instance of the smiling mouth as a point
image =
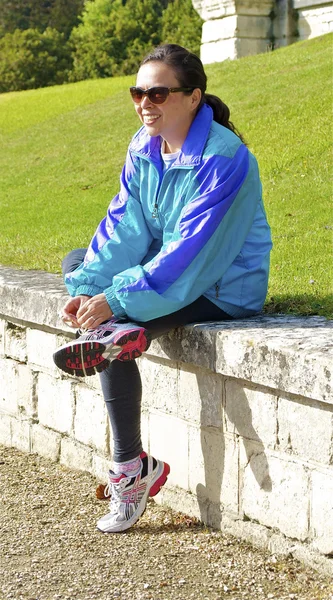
(149, 119)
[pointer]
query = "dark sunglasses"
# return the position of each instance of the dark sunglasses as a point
(156, 95)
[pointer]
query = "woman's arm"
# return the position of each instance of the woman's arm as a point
(121, 240)
(207, 238)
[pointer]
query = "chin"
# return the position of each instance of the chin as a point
(152, 132)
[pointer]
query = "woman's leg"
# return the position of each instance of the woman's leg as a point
(73, 260)
(121, 381)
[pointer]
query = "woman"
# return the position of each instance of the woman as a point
(185, 240)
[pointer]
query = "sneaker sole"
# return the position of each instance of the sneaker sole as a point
(157, 484)
(84, 358)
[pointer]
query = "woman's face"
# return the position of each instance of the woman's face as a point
(172, 119)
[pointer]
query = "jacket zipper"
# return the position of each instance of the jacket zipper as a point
(154, 214)
(217, 289)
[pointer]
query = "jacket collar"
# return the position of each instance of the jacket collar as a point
(192, 149)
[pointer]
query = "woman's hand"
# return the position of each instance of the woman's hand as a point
(70, 309)
(93, 312)
(86, 311)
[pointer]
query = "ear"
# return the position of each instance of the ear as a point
(195, 98)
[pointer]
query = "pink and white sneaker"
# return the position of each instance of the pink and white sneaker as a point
(93, 351)
(129, 494)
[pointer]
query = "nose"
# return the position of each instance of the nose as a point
(145, 102)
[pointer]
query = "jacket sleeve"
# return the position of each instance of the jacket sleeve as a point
(220, 206)
(121, 240)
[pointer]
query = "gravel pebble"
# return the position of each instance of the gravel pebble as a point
(51, 549)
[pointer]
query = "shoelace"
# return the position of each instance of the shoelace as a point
(93, 333)
(116, 490)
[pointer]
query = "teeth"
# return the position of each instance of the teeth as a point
(150, 119)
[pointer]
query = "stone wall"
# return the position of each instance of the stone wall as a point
(236, 28)
(242, 411)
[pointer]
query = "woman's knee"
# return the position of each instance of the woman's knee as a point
(73, 260)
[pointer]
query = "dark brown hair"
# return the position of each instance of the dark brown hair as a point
(189, 71)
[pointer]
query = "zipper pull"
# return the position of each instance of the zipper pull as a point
(154, 214)
(217, 289)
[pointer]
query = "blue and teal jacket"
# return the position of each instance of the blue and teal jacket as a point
(198, 228)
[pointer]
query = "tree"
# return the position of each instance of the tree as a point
(113, 37)
(31, 59)
(62, 15)
(182, 25)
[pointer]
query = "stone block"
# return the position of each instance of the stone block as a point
(236, 26)
(251, 413)
(159, 385)
(180, 501)
(75, 455)
(274, 492)
(284, 353)
(90, 423)
(192, 344)
(33, 297)
(322, 511)
(40, 347)
(26, 397)
(306, 429)
(232, 48)
(311, 4)
(2, 337)
(55, 403)
(16, 388)
(169, 442)
(213, 467)
(21, 435)
(315, 22)
(200, 396)
(100, 468)
(15, 342)
(215, 9)
(93, 381)
(45, 442)
(5, 430)
(8, 386)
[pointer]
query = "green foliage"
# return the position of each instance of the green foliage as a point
(31, 59)
(36, 14)
(113, 37)
(62, 149)
(182, 25)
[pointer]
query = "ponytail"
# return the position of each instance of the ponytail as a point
(221, 113)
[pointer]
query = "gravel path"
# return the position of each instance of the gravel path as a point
(51, 550)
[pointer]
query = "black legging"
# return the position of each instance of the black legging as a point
(121, 381)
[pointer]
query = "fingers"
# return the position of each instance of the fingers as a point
(90, 322)
(94, 312)
(70, 310)
(86, 312)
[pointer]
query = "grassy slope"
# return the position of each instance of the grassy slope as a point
(62, 149)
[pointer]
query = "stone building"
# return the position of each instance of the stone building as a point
(236, 28)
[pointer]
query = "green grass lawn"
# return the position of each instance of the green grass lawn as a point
(62, 149)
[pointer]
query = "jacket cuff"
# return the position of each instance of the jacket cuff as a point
(114, 303)
(88, 290)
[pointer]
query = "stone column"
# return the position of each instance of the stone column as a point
(285, 29)
(235, 28)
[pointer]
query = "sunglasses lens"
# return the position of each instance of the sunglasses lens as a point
(158, 95)
(137, 94)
